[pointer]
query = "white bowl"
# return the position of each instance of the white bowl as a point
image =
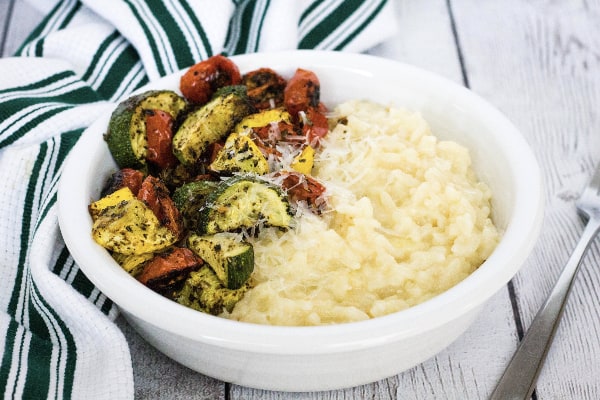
(344, 355)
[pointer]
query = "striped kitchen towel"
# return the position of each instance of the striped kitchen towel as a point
(58, 337)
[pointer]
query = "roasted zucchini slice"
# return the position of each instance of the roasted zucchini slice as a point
(243, 202)
(210, 123)
(240, 154)
(190, 197)
(204, 292)
(230, 258)
(128, 226)
(126, 135)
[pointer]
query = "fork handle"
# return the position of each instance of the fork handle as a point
(520, 376)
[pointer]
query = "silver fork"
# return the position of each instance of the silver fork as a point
(520, 376)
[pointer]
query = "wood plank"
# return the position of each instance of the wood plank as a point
(23, 20)
(158, 377)
(424, 38)
(538, 63)
(469, 367)
(5, 8)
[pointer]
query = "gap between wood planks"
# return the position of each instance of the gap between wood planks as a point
(6, 25)
(465, 78)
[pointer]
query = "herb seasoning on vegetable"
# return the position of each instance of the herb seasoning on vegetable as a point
(232, 155)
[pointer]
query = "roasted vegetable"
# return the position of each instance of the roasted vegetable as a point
(304, 162)
(189, 197)
(269, 128)
(159, 132)
(132, 263)
(243, 202)
(126, 225)
(265, 88)
(210, 123)
(302, 91)
(167, 271)
(304, 188)
(126, 177)
(264, 118)
(200, 172)
(156, 196)
(203, 291)
(240, 154)
(177, 176)
(302, 100)
(126, 136)
(110, 200)
(201, 80)
(314, 125)
(231, 259)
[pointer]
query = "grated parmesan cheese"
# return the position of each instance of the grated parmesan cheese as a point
(408, 220)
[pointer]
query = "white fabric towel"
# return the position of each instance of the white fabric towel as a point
(58, 337)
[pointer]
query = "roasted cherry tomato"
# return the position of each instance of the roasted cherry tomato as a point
(265, 88)
(314, 125)
(159, 131)
(302, 91)
(274, 133)
(156, 195)
(126, 177)
(202, 79)
(166, 270)
(301, 187)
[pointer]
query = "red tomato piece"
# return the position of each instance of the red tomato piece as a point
(166, 269)
(302, 91)
(315, 127)
(200, 82)
(125, 177)
(301, 187)
(156, 195)
(159, 131)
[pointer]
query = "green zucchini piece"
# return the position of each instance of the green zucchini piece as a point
(189, 197)
(126, 136)
(243, 202)
(240, 154)
(203, 291)
(210, 123)
(231, 259)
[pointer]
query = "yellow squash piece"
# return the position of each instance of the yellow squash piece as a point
(132, 263)
(304, 161)
(125, 225)
(112, 199)
(240, 154)
(263, 118)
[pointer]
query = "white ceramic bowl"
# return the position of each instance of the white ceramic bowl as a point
(337, 356)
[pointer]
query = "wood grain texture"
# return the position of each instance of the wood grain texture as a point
(23, 19)
(5, 14)
(538, 62)
(158, 377)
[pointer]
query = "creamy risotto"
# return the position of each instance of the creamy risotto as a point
(408, 220)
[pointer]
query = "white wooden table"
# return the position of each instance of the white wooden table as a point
(539, 63)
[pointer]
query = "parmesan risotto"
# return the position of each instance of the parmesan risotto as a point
(408, 220)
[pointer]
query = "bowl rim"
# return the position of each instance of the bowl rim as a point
(516, 242)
